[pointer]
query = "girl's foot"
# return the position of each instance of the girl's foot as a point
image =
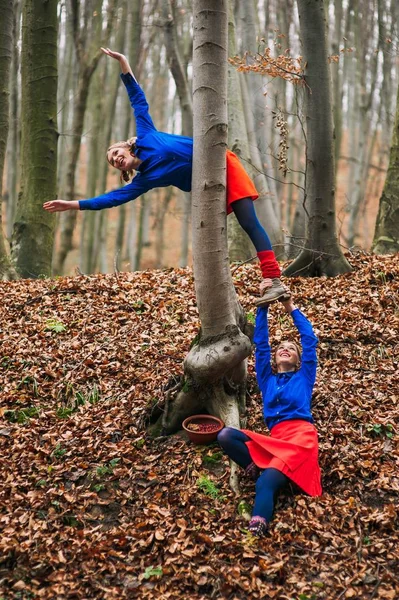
(252, 471)
(258, 526)
(277, 291)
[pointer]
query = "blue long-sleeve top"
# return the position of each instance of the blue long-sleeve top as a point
(286, 396)
(167, 158)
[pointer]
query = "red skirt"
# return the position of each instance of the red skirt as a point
(238, 183)
(291, 448)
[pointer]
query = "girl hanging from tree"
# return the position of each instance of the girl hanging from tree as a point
(156, 159)
(290, 453)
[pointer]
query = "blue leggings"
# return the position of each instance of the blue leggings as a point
(244, 210)
(270, 482)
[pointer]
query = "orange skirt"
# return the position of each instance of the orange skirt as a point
(238, 183)
(291, 448)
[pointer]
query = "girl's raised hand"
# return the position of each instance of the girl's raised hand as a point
(112, 54)
(61, 205)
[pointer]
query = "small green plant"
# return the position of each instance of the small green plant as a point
(366, 541)
(139, 306)
(153, 572)
(4, 364)
(21, 416)
(58, 451)
(381, 276)
(212, 459)
(41, 483)
(139, 443)
(63, 412)
(207, 486)
(71, 520)
(251, 318)
(98, 487)
(55, 326)
(186, 386)
(29, 381)
(381, 430)
(107, 469)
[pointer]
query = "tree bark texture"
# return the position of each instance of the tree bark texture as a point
(33, 232)
(386, 236)
(13, 144)
(322, 255)
(240, 247)
(215, 367)
(6, 30)
(87, 57)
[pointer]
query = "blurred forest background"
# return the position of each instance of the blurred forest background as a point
(266, 124)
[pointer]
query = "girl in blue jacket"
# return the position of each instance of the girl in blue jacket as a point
(158, 159)
(290, 452)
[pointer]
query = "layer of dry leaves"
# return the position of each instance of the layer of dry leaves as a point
(91, 507)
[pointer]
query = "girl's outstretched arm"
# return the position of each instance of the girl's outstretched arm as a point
(121, 58)
(137, 97)
(309, 340)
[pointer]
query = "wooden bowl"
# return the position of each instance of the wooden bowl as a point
(203, 422)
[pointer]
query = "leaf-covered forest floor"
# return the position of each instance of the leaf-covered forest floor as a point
(92, 507)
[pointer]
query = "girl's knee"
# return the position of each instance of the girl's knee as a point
(225, 436)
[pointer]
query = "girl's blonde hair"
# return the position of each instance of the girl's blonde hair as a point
(130, 145)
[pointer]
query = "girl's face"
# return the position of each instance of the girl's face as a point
(122, 159)
(287, 357)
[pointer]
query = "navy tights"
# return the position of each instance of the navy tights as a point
(244, 210)
(270, 481)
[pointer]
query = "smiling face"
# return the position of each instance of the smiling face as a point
(120, 157)
(287, 357)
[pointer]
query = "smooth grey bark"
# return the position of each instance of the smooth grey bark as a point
(179, 73)
(136, 50)
(13, 144)
(386, 235)
(322, 254)
(6, 37)
(90, 228)
(258, 116)
(218, 358)
(367, 69)
(65, 70)
(336, 72)
(33, 231)
(87, 57)
(240, 246)
(264, 206)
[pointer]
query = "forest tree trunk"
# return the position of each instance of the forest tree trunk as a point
(215, 367)
(33, 231)
(386, 236)
(6, 30)
(322, 254)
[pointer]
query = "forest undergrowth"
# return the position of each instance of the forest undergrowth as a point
(92, 507)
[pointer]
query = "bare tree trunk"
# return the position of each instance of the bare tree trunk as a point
(6, 31)
(160, 227)
(322, 255)
(135, 53)
(33, 232)
(13, 145)
(179, 74)
(87, 58)
(386, 235)
(264, 205)
(240, 246)
(218, 359)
